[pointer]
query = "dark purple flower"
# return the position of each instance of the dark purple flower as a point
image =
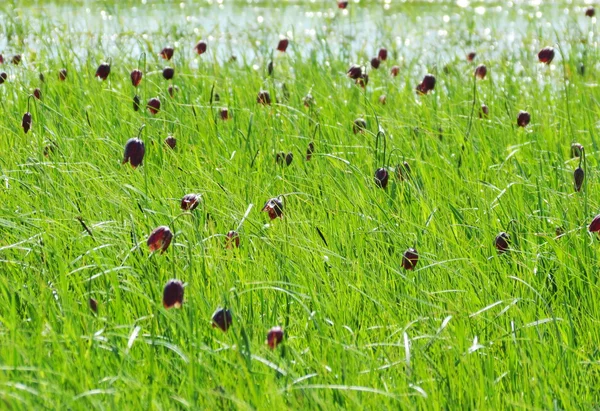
(159, 239)
(403, 171)
(427, 85)
(201, 47)
(134, 152)
(16, 59)
(222, 319)
(546, 55)
(354, 72)
(501, 242)
(410, 258)
(168, 73)
(523, 119)
(375, 62)
(3, 77)
(189, 202)
(37, 93)
(471, 56)
(167, 53)
(359, 126)
(154, 105)
(233, 239)
(103, 71)
(383, 54)
(274, 207)
(283, 45)
(595, 224)
(62, 74)
(274, 337)
(224, 113)
(136, 77)
(481, 71)
(93, 305)
(263, 98)
(173, 294)
(395, 71)
(136, 102)
(310, 150)
(171, 141)
(590, 12)
(381, 177)
(26, 122)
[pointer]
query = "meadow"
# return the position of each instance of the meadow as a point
(423, 232)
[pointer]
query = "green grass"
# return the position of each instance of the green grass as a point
(360, 332)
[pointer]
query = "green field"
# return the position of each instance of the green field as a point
(470, 327)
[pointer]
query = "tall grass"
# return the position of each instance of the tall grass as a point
(468, 328)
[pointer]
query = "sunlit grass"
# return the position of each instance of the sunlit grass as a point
(466, 328)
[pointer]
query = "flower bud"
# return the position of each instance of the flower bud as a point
(382, 99)
(3, 77)
(93, 305)
(578, 177)
(471, 57)
(403, 171)
(37, 93)
(16, 60)
(136, 103)
(310, 150)
(375, 62)
(289, 157)
(173, 294)
(62, 74)
(26, 122)
(172, 90)
(395, 71)
(342, 4)
(136, 77)
(160, 239)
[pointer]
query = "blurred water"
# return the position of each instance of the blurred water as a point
(427, 30)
